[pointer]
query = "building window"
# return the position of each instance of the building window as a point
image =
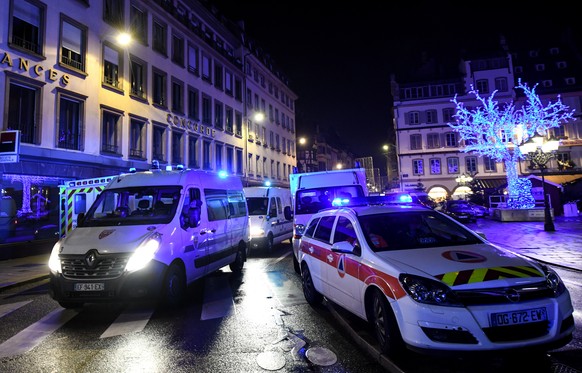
(238, 123)
(113, 12)
(559, 132)
(561, 64)
(229, 117)
(451, 140)
(413, 117)
(540, 67)
(193, 110)
(28, 24)
(110, 132)
(435, 166)
(206, 111)
(453, 165)
(178, 50)
(111, 63)
(483, 86)
(238, 89)
(139, 23)
(137, 138)
(218, 76)
(24, 109)
(206, 68)
(159, 144)
(159, 37)
(206, 153)
(431, 116)
(193, 59)
(73, 44)
(570, 81)
(448, 115)
(70, 122)
(138, 77)
(228, 82)
(546, 83)
(415, 142)
(218, 115)
(218, 156)
(159, 87)
(192, 152)
(239, 161)
(471, 164)
(230, 159)
(433, 140)
(489, 164)
(501, 84)
(417, 167)
(177, 147)
(177, 96)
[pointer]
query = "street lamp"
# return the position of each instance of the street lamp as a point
(306, 155)
(463, 180)
(539, 150)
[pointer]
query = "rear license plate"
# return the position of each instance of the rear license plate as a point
(97, 286)
(519, 317)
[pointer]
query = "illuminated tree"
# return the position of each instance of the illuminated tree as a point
(496, 132)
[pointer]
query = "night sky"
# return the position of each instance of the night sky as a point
(339, 56)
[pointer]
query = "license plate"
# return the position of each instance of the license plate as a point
(96, 286)
(519, 317)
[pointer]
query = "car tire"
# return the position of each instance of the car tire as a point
(312, 296)
(296, 265)
(239, 262)
(174, 287)
(70, 305)
(269, 243)
(384, 325)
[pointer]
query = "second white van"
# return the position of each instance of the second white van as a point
(270, 215)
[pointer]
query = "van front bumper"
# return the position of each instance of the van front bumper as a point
(143, 284)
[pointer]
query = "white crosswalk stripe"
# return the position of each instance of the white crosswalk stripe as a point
(131, 320)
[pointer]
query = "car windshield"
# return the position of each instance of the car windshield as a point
(413, 230)
(133, 206)
(257, 205)
(310, 201)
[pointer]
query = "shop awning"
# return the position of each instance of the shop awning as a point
(481, 183)
(561, 179)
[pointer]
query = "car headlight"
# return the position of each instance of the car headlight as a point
(144, 253)
(427, 291)
(54, 262)
(554, 281)
(257, 232)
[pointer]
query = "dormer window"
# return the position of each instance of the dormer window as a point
(540, 67)
(547, 83)
(571, 81)
(554, 51)
(533, 53)
(561, 64)
(518, 69)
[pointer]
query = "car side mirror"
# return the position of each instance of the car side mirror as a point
(343, 247)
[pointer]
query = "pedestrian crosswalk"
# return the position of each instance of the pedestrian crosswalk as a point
(217, 301)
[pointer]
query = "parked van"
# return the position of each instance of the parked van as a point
(313, 191)
(151, 234)
(270, 215)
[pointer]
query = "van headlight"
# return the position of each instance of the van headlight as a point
(257, 232)
(54, 262)
(144, 253)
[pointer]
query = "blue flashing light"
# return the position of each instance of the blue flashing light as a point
(222, 174)
(405, 198)
(169, 167)
(340, 202)
(267, 183)
(132, 170)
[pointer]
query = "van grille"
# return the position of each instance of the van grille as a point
(93, 266)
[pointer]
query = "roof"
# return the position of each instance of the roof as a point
(556, 180)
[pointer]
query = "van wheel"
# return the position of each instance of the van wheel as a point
(174, 287)
(296, 265)
(269, 244)
(239, 261)
(71, 305)
(384, 325)
(312, 296)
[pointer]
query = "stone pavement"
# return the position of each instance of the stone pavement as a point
(560, 248)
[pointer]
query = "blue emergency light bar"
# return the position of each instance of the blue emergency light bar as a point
(389, 199)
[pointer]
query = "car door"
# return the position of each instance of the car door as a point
(197, 241)
(342, 271)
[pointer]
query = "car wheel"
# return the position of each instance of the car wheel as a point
(239, 261)
(269, 244)
(71, 305)
(174, 287)
(384, 325)
(312, 296)
(296, 265)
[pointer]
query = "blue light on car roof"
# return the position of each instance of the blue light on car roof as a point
(405, 198)
(340, 202)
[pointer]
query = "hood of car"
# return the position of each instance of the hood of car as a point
(467, 267)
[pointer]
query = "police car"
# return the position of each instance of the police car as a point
(427, 283)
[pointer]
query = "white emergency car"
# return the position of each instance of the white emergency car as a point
(425, 282)
(150, 234)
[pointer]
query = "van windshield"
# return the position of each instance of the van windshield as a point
(310, 201)
(133, 206)
(257, 205)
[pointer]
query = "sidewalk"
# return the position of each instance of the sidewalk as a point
(561, 248)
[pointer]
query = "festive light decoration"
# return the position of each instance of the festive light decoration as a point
(496, 132)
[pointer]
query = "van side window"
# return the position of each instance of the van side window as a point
(279, 205)
(237, 204)
(273, 207)
(191, 209)
(216, 204)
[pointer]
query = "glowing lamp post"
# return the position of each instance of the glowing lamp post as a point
(539, 150)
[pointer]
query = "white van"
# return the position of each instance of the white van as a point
(270, 215)
(313, 191)
(151, 234)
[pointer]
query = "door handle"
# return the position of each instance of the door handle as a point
(204, 231)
